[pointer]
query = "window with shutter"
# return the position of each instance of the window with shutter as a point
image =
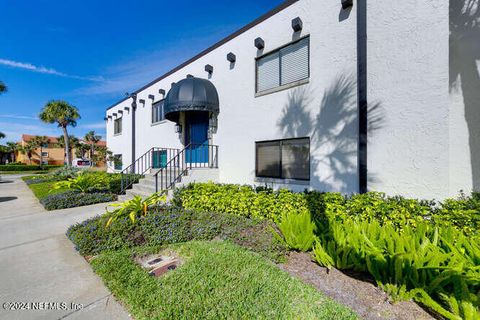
(284, 66)
(268, 72)
(294, 62)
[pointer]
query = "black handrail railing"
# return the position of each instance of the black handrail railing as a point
(145, 162)
(192, 156)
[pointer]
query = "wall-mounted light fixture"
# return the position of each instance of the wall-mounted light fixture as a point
(151, 96)
(178, 128)
(162, 92)
(259, 43)
(209, 68)
(297, 24)
(213, 124)
(231, 57)
(347, 4)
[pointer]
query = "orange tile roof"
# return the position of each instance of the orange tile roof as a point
(28, 137)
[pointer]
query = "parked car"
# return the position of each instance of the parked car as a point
(81, 163)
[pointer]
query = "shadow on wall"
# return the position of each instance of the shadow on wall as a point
(333, 132)
(464, 71)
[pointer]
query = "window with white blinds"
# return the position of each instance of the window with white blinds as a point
(284, 66)
(283, 159)
(157, 111)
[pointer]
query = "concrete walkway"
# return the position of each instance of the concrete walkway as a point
(38, 264)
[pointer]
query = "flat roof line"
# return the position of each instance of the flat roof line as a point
(247, 27)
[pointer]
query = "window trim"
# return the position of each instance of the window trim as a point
(163, 111)
(121, 162)
(121, 127)
(287, 85)
(280, 178)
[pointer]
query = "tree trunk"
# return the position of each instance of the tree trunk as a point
(67, 146)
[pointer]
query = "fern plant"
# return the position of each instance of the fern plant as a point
(134, 208)
(297, 230)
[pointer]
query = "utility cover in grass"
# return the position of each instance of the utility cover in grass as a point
(217, 280)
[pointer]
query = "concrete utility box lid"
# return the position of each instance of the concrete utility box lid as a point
(158, 264)
(191, 94)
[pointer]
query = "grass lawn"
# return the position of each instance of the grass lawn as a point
(217, 280)
(42, 190)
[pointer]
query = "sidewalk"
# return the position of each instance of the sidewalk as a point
(38, 264)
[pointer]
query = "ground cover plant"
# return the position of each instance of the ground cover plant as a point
(423, 250)
(167, 225)
(69, 187)
(216, 280)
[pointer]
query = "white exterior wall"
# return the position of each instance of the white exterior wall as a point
(244, 118)
(408, 79)
(422, 134)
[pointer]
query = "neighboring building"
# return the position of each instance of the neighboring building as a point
(51, 153)
(285, 98)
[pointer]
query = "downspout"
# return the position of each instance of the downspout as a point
(362, 95)
(134, 109)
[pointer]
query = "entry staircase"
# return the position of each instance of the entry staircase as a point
(164, 169)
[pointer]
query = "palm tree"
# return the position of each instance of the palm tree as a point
(28, 150)
(12, 147)
(81, 150)
(3, 87)
(73, 142)
(92, 139)
(64, 114)
(40, 142)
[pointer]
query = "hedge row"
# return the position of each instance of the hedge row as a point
(462, 213)
(73, 198)
(16, 167)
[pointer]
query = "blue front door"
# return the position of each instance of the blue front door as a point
(196, 135)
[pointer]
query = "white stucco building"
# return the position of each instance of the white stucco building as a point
(285, 101)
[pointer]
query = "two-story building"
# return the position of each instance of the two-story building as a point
(332, 95)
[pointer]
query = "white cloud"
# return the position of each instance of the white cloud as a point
(44, 70)
(14, 131)
(18, 116)
(93, 126)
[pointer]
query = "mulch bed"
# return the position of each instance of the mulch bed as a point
(360, 294)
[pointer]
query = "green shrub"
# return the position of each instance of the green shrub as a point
(428, 264)
(297, 230)
(239, 200)
(134, 208)
(17, 167)
(74, 198)
(85, 182)
(66, 172)
(173, 225)
(40, 179)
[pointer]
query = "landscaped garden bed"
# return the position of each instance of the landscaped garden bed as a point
(412, 250)
(68, 187)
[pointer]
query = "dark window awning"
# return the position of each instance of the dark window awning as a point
(191, 94)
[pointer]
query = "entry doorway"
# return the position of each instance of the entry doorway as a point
(196, 137)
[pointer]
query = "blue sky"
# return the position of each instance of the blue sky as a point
(91, 52)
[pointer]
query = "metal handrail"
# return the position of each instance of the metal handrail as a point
(141, 165)
(179, 165)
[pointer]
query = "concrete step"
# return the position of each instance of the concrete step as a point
(148, 188)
